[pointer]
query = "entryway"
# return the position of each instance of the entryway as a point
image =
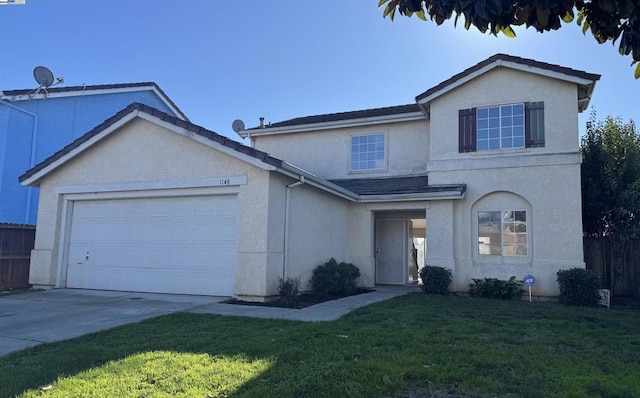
(400, 247)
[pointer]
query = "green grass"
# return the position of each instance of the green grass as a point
(482, 347)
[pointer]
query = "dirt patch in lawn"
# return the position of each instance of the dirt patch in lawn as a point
(305, 300)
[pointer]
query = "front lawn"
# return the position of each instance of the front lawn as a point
(410, 346)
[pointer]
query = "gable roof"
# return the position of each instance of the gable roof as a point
(382, 189)
(23, 94)
(137, 109)
(586, 81)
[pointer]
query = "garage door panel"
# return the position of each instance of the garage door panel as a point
(173, 245)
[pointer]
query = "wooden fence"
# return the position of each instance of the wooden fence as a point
(619, 269)
(16, 243)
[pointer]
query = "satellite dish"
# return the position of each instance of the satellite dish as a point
(237, 125)
(43, 76)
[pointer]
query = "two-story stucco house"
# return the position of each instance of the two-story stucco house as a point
(36, 124)
(480, 175)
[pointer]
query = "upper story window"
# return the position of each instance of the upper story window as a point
(501, 127)
(368, 152)
(502, 232)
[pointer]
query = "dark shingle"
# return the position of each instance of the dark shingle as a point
(333, 117)
(394, 186)
(136, 106)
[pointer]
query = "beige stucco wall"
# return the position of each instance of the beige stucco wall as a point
(326, 152)
(551, 197)
(318, 230)
(506, 86)
(141, 151)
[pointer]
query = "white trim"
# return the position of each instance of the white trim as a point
(517, 159)
(81, 92)
(508, 64)
(153, 185)
(157, 193)
(385, 168)
(63, 252)
(359, 122)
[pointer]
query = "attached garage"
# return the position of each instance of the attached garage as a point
(184, 245)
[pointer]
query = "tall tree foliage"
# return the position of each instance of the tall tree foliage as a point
(611, 179)
(607, 20)
(611, 187)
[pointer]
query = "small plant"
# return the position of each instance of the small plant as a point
(289, 291)
(578, 286)
(335, 279)
(496, 288)
(435, 280)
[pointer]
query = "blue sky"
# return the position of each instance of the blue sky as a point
(242, 59)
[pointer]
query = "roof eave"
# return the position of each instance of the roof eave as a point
(367, 121)
(445, 195)
(424, 101)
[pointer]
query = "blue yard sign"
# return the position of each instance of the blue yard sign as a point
(529, 281)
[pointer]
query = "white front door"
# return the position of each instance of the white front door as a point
(185, 245)
(391, 251)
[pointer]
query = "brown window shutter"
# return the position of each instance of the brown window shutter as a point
(534, 124)
(467, 130)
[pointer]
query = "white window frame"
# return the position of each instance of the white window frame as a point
(502, 235)
(385, 151)
(501, 129)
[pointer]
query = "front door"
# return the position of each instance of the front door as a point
(391, 251)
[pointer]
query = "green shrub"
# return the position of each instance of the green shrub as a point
(435, 280)
(333, 279)
(289, 290)
(496, 288)
(578, 286)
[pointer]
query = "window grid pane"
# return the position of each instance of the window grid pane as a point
(502, 233)
(367, 152)
(500, 127)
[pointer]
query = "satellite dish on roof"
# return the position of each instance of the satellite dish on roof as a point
(43, 76)
(237, 125)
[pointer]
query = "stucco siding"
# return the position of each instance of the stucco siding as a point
(551, 197)
(142, 152)
(326, 153)
(319, 225)
(506, 86)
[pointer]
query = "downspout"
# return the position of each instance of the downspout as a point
(32, 162)
(285, 243)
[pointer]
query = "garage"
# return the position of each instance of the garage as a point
(180, 245)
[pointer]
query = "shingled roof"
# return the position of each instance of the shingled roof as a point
(509, 58)
(333, 117)
(70, 89)
(410, 108)
(136, 106)
(396, 186)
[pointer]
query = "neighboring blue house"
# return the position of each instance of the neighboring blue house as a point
(33, 127)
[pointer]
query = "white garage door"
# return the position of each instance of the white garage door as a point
(183, 245)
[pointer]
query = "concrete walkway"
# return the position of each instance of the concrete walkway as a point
(60, 314)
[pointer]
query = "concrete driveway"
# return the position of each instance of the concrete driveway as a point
(33, 318)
